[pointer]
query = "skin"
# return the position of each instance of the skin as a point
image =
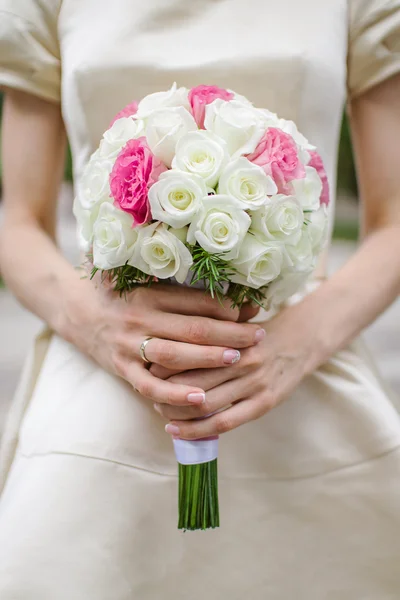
(298, 340)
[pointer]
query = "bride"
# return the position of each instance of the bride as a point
(310, 451)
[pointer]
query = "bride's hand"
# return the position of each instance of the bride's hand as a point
(266, 374)
(189, 330)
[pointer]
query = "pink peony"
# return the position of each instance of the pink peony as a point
(202, 95)
(134, 171)
(277, 154)
(128, 111)
(316, 162)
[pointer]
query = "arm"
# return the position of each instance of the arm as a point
(373, 273)
(98, 321)
(33, 156)
(302, 337)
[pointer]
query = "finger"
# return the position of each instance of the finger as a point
(236, 415)
(216, 400)
(181, 413)
(190, 301)
(247, 312)
(163, 372)
(206, 378)
(250, 360)
(177, 355)
(204, 331)
(161, 391)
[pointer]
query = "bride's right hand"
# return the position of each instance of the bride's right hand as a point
(189, 330)
(98, 321)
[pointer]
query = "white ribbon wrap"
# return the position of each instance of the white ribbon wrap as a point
(195, 452)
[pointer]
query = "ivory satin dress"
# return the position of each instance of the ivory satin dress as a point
(310, 494)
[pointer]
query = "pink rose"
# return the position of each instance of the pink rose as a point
(316, 162)
(128, 111)
(202, 95)
(277, 154)
(134, 172)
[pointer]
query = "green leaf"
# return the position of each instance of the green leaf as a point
(124, 279)
(212, 270)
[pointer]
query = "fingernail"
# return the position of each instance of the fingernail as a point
(172, 429)
(231, 357)
(157, 407)
(196, 397)
(260, 335)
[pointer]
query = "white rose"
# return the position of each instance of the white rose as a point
(291, 128)
(286, 286)
(302, 254)
(240, 98)
(180, 233)
(176, 197)
(308, 190)
(164, 128)
(317, 228)
(201, 153)
(303, 145)
(160, 253)
(220, 226)
(85, 220)
(246, 182)
(115, 138)
(173, 97)
(240, 125)
(270, 119)
(113, 237)
(94, 186)
(280, 220)
(258, 263)
(304, 156)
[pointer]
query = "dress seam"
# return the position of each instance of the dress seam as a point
(10, 13)
(92, 457)
(272, 479)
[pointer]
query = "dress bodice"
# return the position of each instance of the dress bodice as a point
(299, 59)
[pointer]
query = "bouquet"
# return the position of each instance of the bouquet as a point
(200, 187)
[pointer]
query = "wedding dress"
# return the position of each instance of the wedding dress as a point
(309, 494)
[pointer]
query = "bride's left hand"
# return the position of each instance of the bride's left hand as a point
(266, 374)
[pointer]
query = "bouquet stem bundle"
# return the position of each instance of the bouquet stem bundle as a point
(198, 483)
(198, 496)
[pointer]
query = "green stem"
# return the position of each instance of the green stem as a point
(198, 496)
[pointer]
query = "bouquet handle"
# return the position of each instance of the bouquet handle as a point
(196, 452)
(198, 483)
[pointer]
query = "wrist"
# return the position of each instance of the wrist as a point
(79, 312)
(301, 329)
(322, 327)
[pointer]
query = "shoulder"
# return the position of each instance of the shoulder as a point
(29, 49)
(366, 13)
(374, 43)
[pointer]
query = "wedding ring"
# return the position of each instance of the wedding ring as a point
(142, 350)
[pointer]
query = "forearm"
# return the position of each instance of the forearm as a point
(40, 277)
(353, 297)
(33, 153)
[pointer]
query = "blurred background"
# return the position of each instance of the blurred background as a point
(17, 326)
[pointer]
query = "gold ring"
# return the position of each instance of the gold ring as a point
(142, 350)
